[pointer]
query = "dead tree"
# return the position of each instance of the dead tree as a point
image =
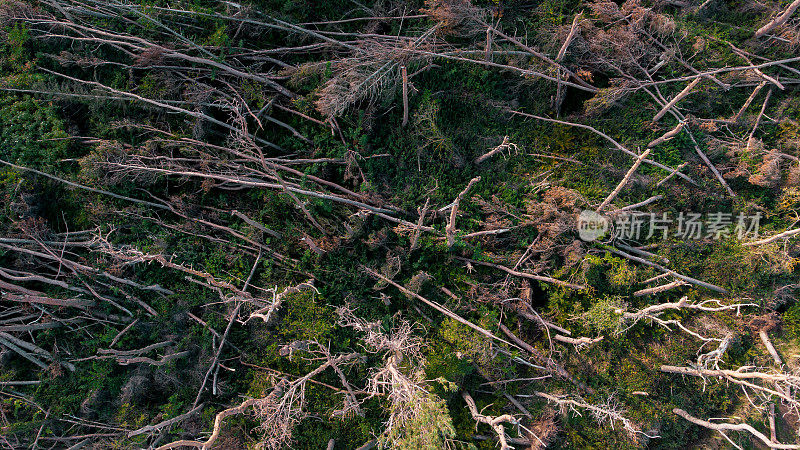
(451, 225)
(278, 412)
(496, 423)
(722, 427)
(779, 20)
(608, 413)
(653, 314)
(767, 385)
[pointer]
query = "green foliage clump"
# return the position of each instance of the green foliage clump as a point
(467, 343)
(621, 273)
(428, 429)
(791, 321)
(14, 49)
(603, 317)
(306, 318)
(31, 132)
